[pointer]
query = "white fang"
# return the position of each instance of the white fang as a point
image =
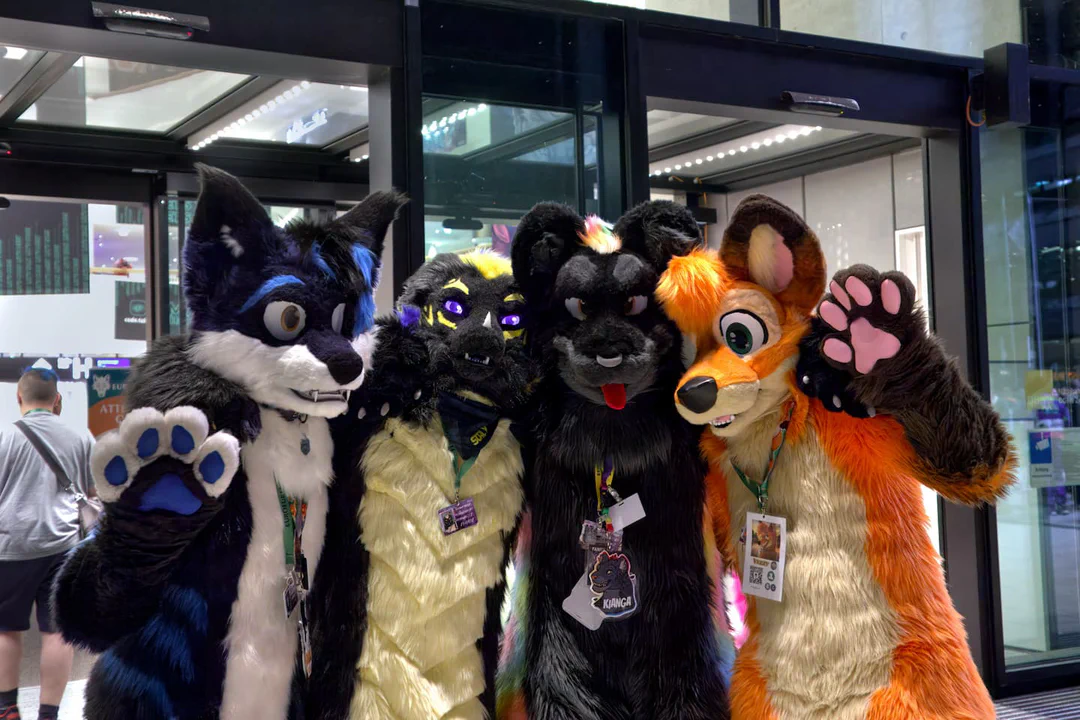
(487, 320)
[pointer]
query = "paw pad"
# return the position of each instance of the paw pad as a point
(118, 459)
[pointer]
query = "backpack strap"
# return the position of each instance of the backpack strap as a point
(47, 455)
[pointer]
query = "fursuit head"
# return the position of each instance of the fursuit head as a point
(216, 482)
(615, 615)
(831, 422)
(407, 605)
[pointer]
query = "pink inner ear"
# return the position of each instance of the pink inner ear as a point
(784, 268)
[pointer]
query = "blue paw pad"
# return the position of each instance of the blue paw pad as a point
(170, 493)
(116, 471)
(148, 443)
(182, 441)
(212, 468)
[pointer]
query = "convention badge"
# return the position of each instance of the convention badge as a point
(458, 516)
(613, 586)
(765, 554)
(579, 605)
(291, 597)
(594, 538)
(626, 512)
(305, 646)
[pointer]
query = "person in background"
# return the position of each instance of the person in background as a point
(39, 523)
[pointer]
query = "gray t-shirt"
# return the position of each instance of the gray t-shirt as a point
(37, 518)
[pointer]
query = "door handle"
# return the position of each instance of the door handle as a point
(819, 104)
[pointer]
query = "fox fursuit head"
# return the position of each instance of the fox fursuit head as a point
(226, 437)
(407, 605)
(864, 627)
(603, 427)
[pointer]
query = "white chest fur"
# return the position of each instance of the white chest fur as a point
(827, 646)
(262, 641)
(428, 592)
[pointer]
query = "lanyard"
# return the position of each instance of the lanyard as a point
(461, 466)
(294, 514)
(605, 475)
(761, 490)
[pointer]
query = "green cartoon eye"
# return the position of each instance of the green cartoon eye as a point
(743, 332)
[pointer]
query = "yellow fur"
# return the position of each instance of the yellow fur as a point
(490, 265)
(427, 592)
(812, 669)
(457, 283)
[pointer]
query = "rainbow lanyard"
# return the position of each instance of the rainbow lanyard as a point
(761, 490)
(605, 474)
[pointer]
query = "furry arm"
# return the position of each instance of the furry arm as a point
(959, 447)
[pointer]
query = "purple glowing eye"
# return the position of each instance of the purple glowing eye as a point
(511, 320)
(453, 307)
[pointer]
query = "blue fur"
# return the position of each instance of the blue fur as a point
(171, 642)
(126, 680)
(267, 287)
(182, 441)
(148, 443)
(188, 604)
(365, 315)
(116, 471)
(170, 493)
(320, 261)
(409, 315)
(365, 262)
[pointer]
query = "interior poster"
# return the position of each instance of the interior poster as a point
(131, 308)
(106, 395)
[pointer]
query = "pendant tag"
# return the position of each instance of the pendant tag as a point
(459, 516)
(290, 598)
(764, 556)
(594, 538)
(613, 586)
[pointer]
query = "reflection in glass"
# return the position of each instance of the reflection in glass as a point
(1032, 258)
(14, 62)
(98, 92)
(294, 112)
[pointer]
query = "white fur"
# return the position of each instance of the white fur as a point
(427, 591)
(364, 345)
(261, 641)
(270, 374)
(805, 647)
(229, 449)
(230, 242)
(762, 257)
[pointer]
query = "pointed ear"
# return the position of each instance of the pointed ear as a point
(368, 221)
(545, 239)
(659, 230)
(767, 243)
(230, 228)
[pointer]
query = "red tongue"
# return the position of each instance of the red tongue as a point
(615, 395)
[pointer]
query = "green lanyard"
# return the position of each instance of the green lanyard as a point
(293, 514)
(761, 490)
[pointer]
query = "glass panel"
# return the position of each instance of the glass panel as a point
(1031, 260)
(744, 11)
(97, 92)
(962, 27)
(14, 62)
(486, 165)
(295, 112)
(72, 294)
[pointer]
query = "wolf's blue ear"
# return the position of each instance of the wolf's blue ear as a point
(230, 228)
(369, 219)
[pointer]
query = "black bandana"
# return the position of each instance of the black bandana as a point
(468, 424)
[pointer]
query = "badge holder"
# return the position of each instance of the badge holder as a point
(297, 585)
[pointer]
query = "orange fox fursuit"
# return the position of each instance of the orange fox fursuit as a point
(865, 627)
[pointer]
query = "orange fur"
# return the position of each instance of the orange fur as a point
(690, 290)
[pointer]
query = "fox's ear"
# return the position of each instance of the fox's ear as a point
(690, 290)
(767, 243)
(545, 239)
(368, 221)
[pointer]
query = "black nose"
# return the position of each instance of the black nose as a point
(345, 367)
(698, 394)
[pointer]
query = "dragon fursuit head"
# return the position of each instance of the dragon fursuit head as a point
(872, 406)
(407, 607)
(625, 629)
(182, 588)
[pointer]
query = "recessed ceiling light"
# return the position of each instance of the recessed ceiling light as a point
(667, 169)
(709, 158)
(755, 145)
(481, 107)
(698, 161)
(767, 142)
(678, 167)
(305, 84)
(731, 152)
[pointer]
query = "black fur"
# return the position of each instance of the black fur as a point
(664, 662)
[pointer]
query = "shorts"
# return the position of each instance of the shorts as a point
(23, 584)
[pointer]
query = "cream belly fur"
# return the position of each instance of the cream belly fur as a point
(428, 592)
(261, 641)
(828, 645)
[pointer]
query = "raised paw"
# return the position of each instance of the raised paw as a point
(164, 461)
(870, 317)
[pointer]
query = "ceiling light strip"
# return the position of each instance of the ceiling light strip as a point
(717, 153)
(278, 95)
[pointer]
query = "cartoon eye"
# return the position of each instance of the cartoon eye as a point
(338, 319)
(510, 320)
(635, 305)
(454, 307)
(284, 320)
(743, 332)
(576, 307)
